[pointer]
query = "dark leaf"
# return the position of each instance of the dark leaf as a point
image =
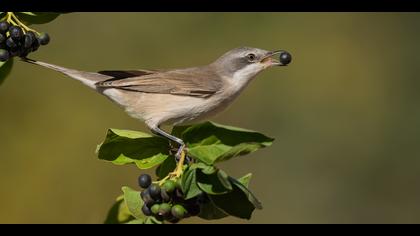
(242, 184)
(209, 211)
(234, 203)
(166, 167)
(37, 17)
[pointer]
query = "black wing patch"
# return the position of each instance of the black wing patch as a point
(123, 74)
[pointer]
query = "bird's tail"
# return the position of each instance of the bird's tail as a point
(87, 78)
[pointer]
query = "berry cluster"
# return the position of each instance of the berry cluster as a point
(166, 202)
(14, 41)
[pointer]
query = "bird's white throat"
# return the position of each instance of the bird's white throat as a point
(243, 76)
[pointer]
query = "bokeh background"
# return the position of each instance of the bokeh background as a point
(345, 114)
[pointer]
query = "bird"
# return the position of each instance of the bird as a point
(178, 96)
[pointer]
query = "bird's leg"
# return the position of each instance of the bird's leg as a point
(180, 154)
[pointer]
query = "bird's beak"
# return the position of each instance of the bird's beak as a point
(269, 61)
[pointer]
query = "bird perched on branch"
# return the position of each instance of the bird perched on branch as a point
(178, 96)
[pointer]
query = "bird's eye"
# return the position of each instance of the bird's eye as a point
(251, 57)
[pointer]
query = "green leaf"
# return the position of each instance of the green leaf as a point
(152, 220)
(133, 202)
(209, 211)
(206, 169)
(211, 184)
(5, 68)
(245, 179)
(224, 179)
(136, 222)
(37, 17)
(125, 147)
(242, 184)
(119, 213)
(234, 203)
(189, 184)
(166, 167)
(210, 142)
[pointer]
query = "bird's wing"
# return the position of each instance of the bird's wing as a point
(122, 74)
(178, 82)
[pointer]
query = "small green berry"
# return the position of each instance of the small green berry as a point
(178, 211)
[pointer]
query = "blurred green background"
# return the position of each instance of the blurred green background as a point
(345, 114)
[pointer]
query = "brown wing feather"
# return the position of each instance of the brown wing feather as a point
(187, 82)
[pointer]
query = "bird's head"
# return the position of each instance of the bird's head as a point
(245, 63)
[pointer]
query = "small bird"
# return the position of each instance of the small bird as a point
(178, 96)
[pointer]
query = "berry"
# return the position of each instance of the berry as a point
(144, 193)
(145, 181)
(35, 45)
(147, 199)
(4, 55)
(16, 32)
(164, 210)
(29, 40)
(155, 209)
(178, 211)
(146, 210)
(11, 43)
(2, 38)
(44, 38)
(285, 58)
(179, 193)
(169, 186)
(154, 191)
(4, 26)
(165, 196)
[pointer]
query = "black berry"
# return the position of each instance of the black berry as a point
(35, 45)
(11, 43)
(154, 191)
(44, 38)
(165, 196)
(28, 40)
(16, 32)
(285, 58)
(144, 181)
(2, 38)
(4, 55)
(146, 210)
(4, 27)
(147, 199)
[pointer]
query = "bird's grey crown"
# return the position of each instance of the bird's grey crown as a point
(235, 59)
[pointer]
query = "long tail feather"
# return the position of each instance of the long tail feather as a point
(87, 78)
